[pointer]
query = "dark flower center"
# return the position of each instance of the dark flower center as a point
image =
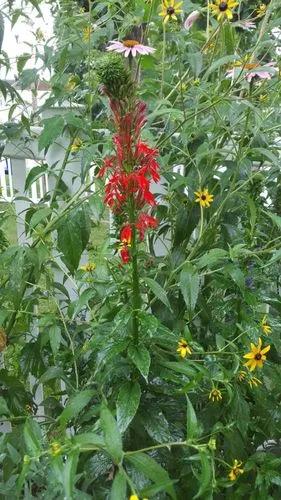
(203, 197)
(258, 356)
(223, 6)
(170, 11)
(130, 43)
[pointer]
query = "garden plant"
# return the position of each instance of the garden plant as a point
(160, 377)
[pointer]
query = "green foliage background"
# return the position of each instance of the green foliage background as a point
(137, 418)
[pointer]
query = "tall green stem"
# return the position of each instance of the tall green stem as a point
(136, 297)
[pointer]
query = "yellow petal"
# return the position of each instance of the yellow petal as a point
(249, 355)
(173, 16)
(265, 350)
(228, 14)
(166, 19)
(259, 363)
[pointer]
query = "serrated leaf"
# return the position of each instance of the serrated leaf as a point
(75, 405)
(32, 436)
(73, 236)
(53, 128)
(211, 257)
(192, 429)
(112, 436)
(152, 470)
(141, 358)
(189, 285)
(119, 487)
(127, 404)
(158, 291)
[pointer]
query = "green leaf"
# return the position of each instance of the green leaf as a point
(55, 337)
(236, 275)
(158, 291)
(205, 476)
(53, 128)
(192, 429)
(127, 404)
(275, 218)
(4, 410)
(69, 474)
(34, 174)
(112, 436)
(32, 436)
(22, 60)
(189, 284)
(211, 257)
(228, 34)
(141, 358)
(75, 405)
(39, 216)
(223, 61)
(119, 487)
(88, 439)
(73, 236)
(152, 470)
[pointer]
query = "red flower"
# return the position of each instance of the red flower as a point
(126, 234)
(125, 254)
(145, 222)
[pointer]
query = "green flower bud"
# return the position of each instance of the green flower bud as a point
(113, 74)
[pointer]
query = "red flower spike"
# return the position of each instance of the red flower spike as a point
(145, 222)
(125, 254)
(126, 234)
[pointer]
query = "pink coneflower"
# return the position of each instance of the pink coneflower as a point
(190, 20)
(130, 47)
(252, 70)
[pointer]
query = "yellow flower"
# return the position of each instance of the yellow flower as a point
(265, 326)
(235, 470)
(212, 444)
(76, 145)
(254, 382)
(261, 10)
(71, 83)
(204, 197)
(215, 395)
(223, 9)
(257, 356)
(87, 33)
(183, 348)
(135, 497)
(169, 10)
(241, 375)
(55, 449)
(89, 267)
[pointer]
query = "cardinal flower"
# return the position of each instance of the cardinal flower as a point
(125, 254)
(130, 48)
(145, 222)
(126, 234)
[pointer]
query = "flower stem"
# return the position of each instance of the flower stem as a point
(163, 59)
(201, 222)
(136, 298)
